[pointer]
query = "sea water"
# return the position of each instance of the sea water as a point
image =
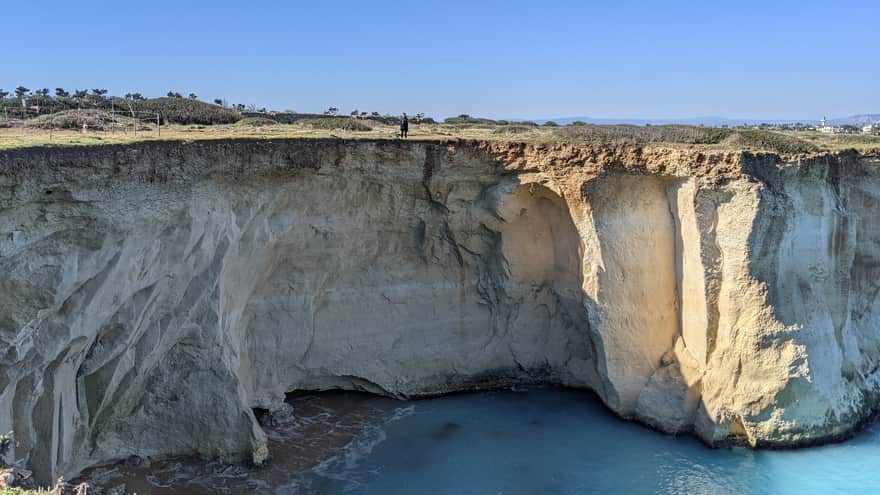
(529, 441)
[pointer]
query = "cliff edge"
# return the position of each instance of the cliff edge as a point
(153, 294)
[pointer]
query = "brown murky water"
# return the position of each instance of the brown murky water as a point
(318, 430)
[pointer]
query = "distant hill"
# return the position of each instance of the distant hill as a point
(857, 120)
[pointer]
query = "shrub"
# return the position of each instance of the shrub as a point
(92, 118)
(550, 123)
(631, 134)
(338, 124)
(255, 122)
(180, 110)
(513, 129)
(465, 119)
(770, 141)
(740, 138)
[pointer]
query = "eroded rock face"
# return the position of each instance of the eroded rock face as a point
(152, 295)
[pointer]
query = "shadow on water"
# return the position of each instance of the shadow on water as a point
(537, 440)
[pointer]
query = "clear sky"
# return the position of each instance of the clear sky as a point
(530, 59)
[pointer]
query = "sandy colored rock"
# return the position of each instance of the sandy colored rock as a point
(152, 295)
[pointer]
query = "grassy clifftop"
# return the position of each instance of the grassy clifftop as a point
(783, 143)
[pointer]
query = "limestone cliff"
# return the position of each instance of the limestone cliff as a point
(152, 295)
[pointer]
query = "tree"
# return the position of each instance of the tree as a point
(42, 92)
(137, 96)
(3, 94)
(174, 94)
(80, 93)
(331, 111)
(60, 93)
(192, 96)
(218, 101)
(550, 123)
(374, 114)
(99, 92)
(21, 92)
(355, 113)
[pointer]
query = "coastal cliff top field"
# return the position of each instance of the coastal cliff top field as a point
(787, 143)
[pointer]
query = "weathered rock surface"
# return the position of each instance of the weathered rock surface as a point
(152, 295)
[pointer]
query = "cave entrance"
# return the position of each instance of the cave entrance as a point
(540, 242)
(543, 253)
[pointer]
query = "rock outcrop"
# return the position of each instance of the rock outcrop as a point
(152, 295)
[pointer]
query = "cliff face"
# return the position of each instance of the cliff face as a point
(152, 295)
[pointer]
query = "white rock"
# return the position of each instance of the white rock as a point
(164, 290)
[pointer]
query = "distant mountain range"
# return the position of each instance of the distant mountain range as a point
(857, 120)
(712, 121)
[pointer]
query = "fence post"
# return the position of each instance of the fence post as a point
(158, 126)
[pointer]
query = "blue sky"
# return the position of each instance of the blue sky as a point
(744, 59)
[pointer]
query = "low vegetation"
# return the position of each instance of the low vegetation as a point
(89, 119)
(84, 118)
(338, 123)
(178, 111)
(465, 119)
(514, 129)
(757, 139)
(632, 134)
(824, 141)
(771, 141)
(173, 109)
(255, 122)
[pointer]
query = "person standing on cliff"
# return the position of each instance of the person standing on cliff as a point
(404, 126)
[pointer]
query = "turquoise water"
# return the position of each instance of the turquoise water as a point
(552, 441)
(531, 441)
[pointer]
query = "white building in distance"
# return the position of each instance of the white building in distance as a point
(827, 129)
